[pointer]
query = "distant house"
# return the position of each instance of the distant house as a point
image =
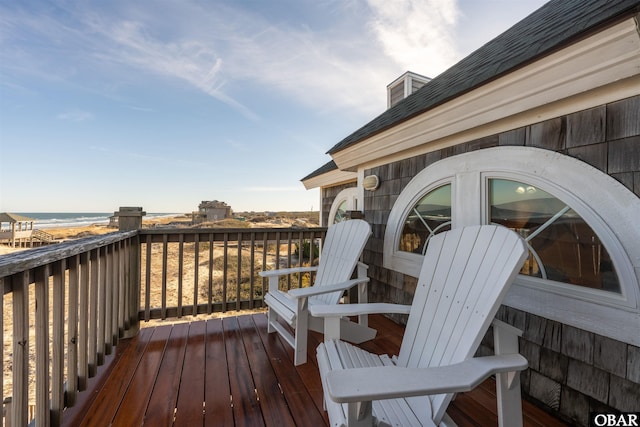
(538, 130)
(16, 230)
(211, 211)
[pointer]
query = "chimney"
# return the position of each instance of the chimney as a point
(404, 86)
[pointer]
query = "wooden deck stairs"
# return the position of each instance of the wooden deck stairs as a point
(43, 236)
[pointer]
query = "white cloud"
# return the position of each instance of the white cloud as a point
(416, 34)
(193, 61)
(343, 66)
(75, 116)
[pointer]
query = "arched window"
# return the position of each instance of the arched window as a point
(428, 217)
(579, 223)
(345, 201)
(562, 246)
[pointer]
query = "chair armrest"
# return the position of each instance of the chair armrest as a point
(341, 310)
(285, 271)
(389, 382)
(319, 290)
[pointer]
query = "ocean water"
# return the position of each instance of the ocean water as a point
(76, 219)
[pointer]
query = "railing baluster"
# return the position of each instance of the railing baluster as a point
(252, 264)
(180, 272)
(115, 296)
(122, 294)
(301, 255)
(57, 367)
(224, 272)
(210, 288)
(147, 285)
(102, 308)
(109, 301)
(277, 250)
(164, 276)
(289, 237)
(239, 272)
(312, 257)
(93, 311)
(265, 246)
(83, 332)
(72, 331)
(20, 396)
(42, 345)
(196, 260)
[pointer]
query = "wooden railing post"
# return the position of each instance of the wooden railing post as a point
(130, 218)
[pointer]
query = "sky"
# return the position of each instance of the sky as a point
(163, 104)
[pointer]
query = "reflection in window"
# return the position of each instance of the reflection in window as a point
(341, 213)
(563, 247)
(431, 215)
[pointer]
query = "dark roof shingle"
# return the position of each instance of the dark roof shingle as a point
(327, 167)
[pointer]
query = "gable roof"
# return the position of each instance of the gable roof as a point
(327, 167)
(11, 218)
(556, 24)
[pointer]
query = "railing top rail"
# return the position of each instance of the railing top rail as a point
(214, 230)
(25, 260)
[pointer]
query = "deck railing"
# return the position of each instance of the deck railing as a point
(216, 270)
(70, 304)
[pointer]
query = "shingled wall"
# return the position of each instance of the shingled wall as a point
(572, 372)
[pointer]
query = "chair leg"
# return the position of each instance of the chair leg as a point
(301, 332)
(507, 383)
(272, 317)
(359, 414)
(509, 399)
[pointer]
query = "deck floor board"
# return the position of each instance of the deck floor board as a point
(231, 372)
(218, 408)
(162, 402)
(190, 406)
(246, 408)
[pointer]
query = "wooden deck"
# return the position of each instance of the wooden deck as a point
(231, 372)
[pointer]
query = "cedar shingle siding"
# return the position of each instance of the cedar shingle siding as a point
(569, 371)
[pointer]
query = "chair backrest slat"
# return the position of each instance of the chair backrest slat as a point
(464, 278)
(340, 253)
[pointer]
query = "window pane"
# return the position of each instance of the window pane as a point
(341, 213)
(563, 247)
(431, 215)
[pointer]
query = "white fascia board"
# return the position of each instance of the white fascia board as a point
(330, 179)
(561, 83)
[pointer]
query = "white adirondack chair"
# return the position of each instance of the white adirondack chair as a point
(341, 249)
(465, 276)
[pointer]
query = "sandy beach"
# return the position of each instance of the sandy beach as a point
(71, 233)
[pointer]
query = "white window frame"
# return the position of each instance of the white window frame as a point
(606, 205)
(349, 195)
